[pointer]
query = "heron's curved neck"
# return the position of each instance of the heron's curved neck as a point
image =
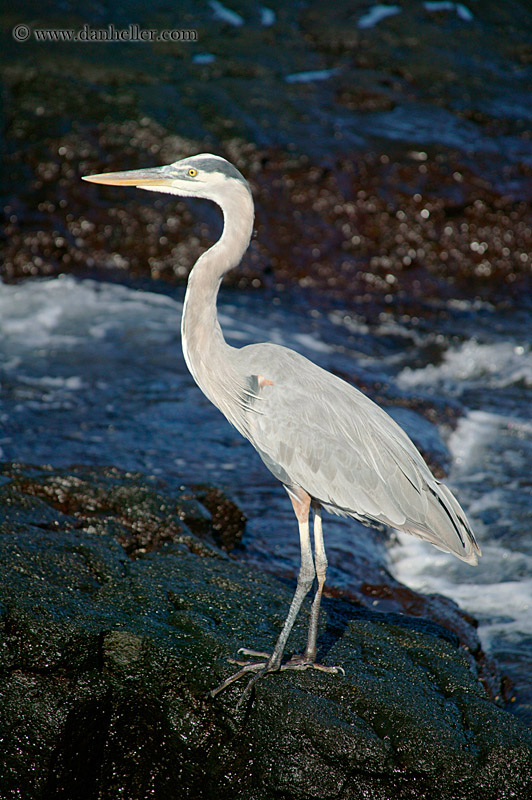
(204, 346)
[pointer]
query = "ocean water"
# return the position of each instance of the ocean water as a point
(92, 373)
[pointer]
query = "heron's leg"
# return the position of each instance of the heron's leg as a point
(308, 658)
(301, 503)
(320, 561)
(305, 578)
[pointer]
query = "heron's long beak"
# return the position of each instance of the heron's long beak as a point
(133, 177)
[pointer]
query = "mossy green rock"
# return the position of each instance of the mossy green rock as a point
(107, 661)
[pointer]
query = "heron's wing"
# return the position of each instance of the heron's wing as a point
(314, 430)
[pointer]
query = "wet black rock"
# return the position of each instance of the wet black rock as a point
(227, 521)
(106, 662)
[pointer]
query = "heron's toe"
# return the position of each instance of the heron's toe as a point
(301, 662)
(253, 653)
(258, 667)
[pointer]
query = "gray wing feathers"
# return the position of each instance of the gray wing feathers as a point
(316, 431)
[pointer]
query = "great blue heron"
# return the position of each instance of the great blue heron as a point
(329, 445)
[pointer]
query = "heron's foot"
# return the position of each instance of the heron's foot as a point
(299, 662)
(265, 665)
(304, 662)
(259, 668)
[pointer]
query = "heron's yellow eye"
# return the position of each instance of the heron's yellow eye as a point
(192, 172)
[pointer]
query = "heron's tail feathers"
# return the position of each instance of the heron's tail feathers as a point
(446, 525)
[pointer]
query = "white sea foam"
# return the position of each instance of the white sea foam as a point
(267, 16)
(444, 5)
(490, 591)
(72, 382)
(65, 310)
(225, 14)
(311, 75)
(352, 323)
(500, 363)
(470, 439)
(309, 342)
(486, 479)
(376, 14)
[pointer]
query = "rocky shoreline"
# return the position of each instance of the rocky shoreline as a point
(108, 653)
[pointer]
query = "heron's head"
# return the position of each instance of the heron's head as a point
(204, 175)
